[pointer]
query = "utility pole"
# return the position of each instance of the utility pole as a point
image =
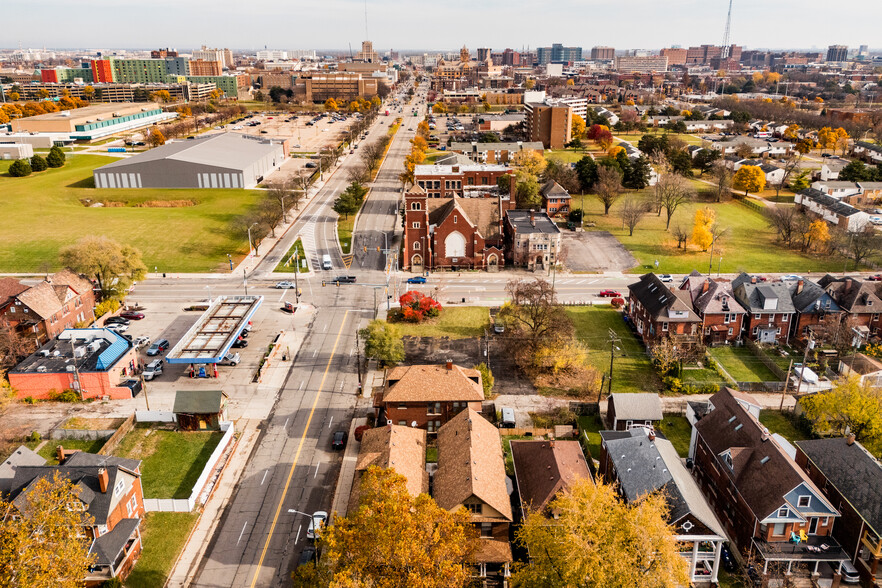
(76, 370)
(808, 347)
(358, 356)
(613, 340)
(296, 272)
(786, 381)
(144, 389)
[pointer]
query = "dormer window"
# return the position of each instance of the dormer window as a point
(783, 512)
(120, 486)
(727, 459)
(804, 501)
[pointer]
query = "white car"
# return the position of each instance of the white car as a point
(117, 327)
(153, 369)
(284, 285)
(230, 359)
(319, 519)
(666, 278)
(142, 341)
(790, 278)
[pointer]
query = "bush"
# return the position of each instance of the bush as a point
(20, 168)
(112, 583)
(66, 395)
(56, 157)
(617, 302)
(487, 379)
(416, 306)
(35, 437)
(110, 305)
(673, 384)
(38, 163)
(29, 400)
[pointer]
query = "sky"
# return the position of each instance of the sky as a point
(445, 25)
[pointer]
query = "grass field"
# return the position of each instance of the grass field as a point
(633, 138)
(186, 239)
(567, 155)
(48, 450)
(741, 364)
(778, 422)
(592, 425)
(297, 247)
(345, 226)
(748, 245)
(162, 535)
(678, 431)
(460, 322)
(632, 371)
(172, 460)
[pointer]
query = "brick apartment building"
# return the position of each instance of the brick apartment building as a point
(657, 312)
(722, 318)
(858, 299)
(428, 395)
(549, 125)
(43, 311)
(341, 86)
(769, 309)
(494, 152)
(201, 67)
(532, 239)
(447, 181)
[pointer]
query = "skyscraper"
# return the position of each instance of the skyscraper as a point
(483, 53)
(837, 53)
(602, 52)
(557, 53)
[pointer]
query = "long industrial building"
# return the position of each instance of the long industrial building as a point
(94, 121)
(227, 160)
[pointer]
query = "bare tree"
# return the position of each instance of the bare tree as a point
(632, 211)
(681, 233)
(608, 187)
(359, 173)
(744, 151)
(282, 194)
(783, 220)
(858, 245)
(269, 214)
(671, 191)
(14, 347)
(723, 178)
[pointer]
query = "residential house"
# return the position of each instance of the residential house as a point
(698, 409)
(838, 189)
(106, 488)
(694, 126)
(555, 200)
(657, 312)
(396, 447)
(200, 410)
(759, 147)
(813, 306)
(638, 409)
(769, 307)
(869, 152)
(766, 502)
(722, 318)
(427, 396)
(830, 168)
(612, 118)
(832, 210)
(641, 463)
(471, 475)
(858, 299)
(868, 370)
(41, 312)
(850, 478)
(544, 469)
(532, 239)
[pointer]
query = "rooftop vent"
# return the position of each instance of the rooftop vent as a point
(41, 368)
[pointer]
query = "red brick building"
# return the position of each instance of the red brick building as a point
(657, 312)
(43, 311)
(448, 181)
(555, 200)
(858, 299)
(769, 309)
(428, 395)
(722, 318)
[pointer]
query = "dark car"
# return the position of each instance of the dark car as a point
(609, 294)
(158, 347)
(240, 342)
(310, 165)
(132, 315)
(116, 320)
(729, 563)
(307, 555)
(343, 280)
(339, 440)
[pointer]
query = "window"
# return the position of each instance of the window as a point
(416, 246)
(402, 406)
(454, 219)
(133, 503)
(783, 512)
(415, 206)
(754, 330)
(120, 486)
(730, 331)
(664, 326)
(756, 316)
(434, 408)
(486, 529)
(473, 508)
(484, 181)
(778, 529)
(803, 501)
(415, 225)
(784, 318)
(778, 331)
(11, 309)
(876, 316)
(402, 423)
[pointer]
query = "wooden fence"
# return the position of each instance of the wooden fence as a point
(115, 439)
(761, 355)
(526, 432)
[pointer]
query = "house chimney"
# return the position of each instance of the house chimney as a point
(59, 454)
(850, 439)
(753, 279)
(705, 286)
(652, 435)
(449, 365)
(103, 479)
(848, 283)
(799, 286)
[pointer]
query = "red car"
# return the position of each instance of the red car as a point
(876, 278)
(609, 294)
(132, 315)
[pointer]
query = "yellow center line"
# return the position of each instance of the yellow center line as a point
(297, 455)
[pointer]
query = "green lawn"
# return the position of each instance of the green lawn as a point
(632, 370)
(742, 364)
(162, 536)
(48, 450)
(678, 431)
(592, 425)
(696, 376)
(171, 460)
(297, 248)
(184, 239)
(778, 422)
(345, 226)
(457, 322)
(633, 138)
(567, 155)
(748, 245)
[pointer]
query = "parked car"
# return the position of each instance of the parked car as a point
(310, 165)
(729, 563)
(153, 369)
(240, 342)
(284, 285)
(666, 278)
(142, 341)
(117, 327)
(849, 573)
(319, 519)
(790, 278)
(343, 280)
(132, 315)
(876, 278)
(498, 328)
(116, 319)
(339, 440)
(417, 280)
(609, 294)
(230, 359)
(160, 346)
(307, 555)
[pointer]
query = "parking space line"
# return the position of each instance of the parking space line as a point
(242, 532)
(285, 426)
(316, 471)
(297, 538)
(264, 477)
(330, 421)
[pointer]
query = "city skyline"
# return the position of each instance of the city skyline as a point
(398, 25)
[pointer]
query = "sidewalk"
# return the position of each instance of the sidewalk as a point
(340, 502)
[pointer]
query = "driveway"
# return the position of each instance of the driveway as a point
(595, 251)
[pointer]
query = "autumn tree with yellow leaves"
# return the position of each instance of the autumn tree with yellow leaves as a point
(702, 229)
(848, 406)
(578, 127)
(599, 540)
(749, 178)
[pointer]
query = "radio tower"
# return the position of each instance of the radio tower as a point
(724, 54)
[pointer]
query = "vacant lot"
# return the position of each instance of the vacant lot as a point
(48, 451)
(632, 370)
(193, 238)
(678, 431)
(781, 423)
(454, 322)
(162, 535)
(742, 364)
(171, 460)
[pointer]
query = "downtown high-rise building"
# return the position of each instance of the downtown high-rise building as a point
(837, 53)
(557, 53)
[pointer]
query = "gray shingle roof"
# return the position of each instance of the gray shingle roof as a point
(198, 401)
(751, 296)
(638, 406)
(109, 545)
(828, 202)
(661, 301)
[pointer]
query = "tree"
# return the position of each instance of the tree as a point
(487, 379)
(578, 126)
(671, 190)
(680, 162)
(855, 171)
(14, 347)
(743, 151)
(563, 174)
(826, 138)
(350, 199)
(722, 179)
(681, 234)
(636, 175)
(792, 133)
(704, 160)
(394, 539)
(749, 178)
(439, 108)
(382, 341)
(20, 168)
(331, 104)
(114, 266)
(416, 306)
(632, 212)
(38, 163)
(791, 166)
(595, 539)
(817, 234)
(161, 96)
(783, 220)
(848, 406)
(801, 180)
(41, 543)
(805, 146)
(155, 138)
(859, 245)
(56, 157)
(841, 140)
(701, 230)
(527, 193)
(282, 193)
(608, 187)
(586, 168)
(529, 162)
(533, 318)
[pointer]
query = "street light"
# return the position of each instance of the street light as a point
(209, 293)
(250, 246)
(230, 258)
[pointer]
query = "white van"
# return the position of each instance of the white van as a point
(508, 419)
(326, 262)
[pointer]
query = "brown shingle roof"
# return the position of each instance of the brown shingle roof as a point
(67, 277)
(481, 213)
(544, 468)
(432, 383)
(852, 294)
(9, 288)
(470, 463)
(400, 448)
(41, 299)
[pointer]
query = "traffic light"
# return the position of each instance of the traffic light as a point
(338, 283)
(365, 248)
(378, 248)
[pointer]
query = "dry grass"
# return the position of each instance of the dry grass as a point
(96, 424)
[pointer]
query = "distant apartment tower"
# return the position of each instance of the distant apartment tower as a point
(201, 67)
(706, 54)
(510, 57)
(367, 53)
(863, 52)
(602, 52)
(225, 56)
(163, 53)
(675, 55)
(557, 53)
(272, 55)
(483, 53)
(837, 53)
(651, 64)
(301, 54)
(550, 125)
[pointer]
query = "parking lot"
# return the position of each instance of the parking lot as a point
(595, 251)
(295, 127)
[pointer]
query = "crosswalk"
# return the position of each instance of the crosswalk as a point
(307, 237)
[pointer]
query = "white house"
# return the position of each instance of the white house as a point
(836, 189)
(867, 151)
(832, 210)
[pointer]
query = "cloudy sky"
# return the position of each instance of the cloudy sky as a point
(419, 24)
